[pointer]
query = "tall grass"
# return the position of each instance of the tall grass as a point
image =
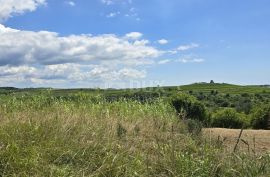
(87, 136)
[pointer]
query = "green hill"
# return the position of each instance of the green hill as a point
(225, 88)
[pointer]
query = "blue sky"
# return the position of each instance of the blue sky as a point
(133, 43)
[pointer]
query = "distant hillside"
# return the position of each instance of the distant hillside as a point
(224, 88)
(196, 87)
(8, 88)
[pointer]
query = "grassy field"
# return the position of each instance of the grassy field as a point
(81, 133)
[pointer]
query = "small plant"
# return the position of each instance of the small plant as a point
(121, 131)
(137, 130)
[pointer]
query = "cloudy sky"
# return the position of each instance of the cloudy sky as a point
(133, 43)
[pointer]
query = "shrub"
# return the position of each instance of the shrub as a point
(189, 107)
(244, 105)
(194, 126)
(260, 117)
(229, 118)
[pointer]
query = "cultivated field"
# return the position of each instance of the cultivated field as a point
(251, 141)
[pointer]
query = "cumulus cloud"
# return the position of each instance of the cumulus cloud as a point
(187, 47)
(104, 73)
(66, 73)
(134, 35)
(163, 41)
(43, 47)
(8, 8)
(131, 73)
(46, 57)
(141, 42)
(13, 71)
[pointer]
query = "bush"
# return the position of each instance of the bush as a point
(189, 107)
(260, 117)
(229, 118)
(194, 126)
(244, 105)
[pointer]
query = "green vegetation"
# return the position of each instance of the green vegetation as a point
(188, 107)
(229, 118)
(95, 132)
(261, 117)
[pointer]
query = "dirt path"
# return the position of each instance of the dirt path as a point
(257, 141)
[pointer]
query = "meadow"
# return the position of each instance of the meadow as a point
(136, 132)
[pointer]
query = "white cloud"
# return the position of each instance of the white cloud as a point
(163, 41)
(187, 47)
(131, 73)
(65, 74)
(28, 47)
(134, 35)
(4, 29)
(11, 70)
(40, 75)
(113, 14)
(124, 9)
(107, 2)
(141, 42)
(132, 12)
(172, 52)
(161, 62)
(8, 8)
(185, 59)
(71, 3)
(109, 74)
(111, 2)
(190, 60)
(47, 58)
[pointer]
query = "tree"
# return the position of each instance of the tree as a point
(188, 107)
(212, 82)
(229, 118)
(260, 117)
(244, 105)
